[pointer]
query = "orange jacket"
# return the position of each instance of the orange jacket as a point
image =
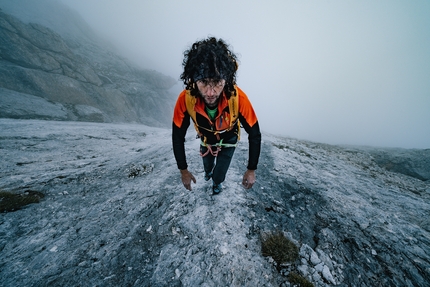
(247, 117)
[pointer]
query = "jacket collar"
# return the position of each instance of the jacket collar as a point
(200, 104)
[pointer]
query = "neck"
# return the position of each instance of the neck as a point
(212, 106)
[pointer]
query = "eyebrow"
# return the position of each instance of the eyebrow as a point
(206, 81)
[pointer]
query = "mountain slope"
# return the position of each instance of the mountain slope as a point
(115, 212)
(75, 71)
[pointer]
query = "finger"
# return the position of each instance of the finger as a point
(187, 185)
(245, 183)
(193, 178)
(248, 184)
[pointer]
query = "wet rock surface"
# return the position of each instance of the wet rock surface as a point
(114, 212)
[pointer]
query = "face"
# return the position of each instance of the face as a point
(210, 91)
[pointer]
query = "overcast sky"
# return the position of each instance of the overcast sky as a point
(338, 72)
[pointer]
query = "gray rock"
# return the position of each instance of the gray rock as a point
(325, 258)
(18, 105)
(305, 252)
(98, 225)
(411, 162)
(314, 258)
(327, 275)
(319, 267)
(316, 277)
(72, 68)
(303, 269)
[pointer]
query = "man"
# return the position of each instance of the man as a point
(218, 108)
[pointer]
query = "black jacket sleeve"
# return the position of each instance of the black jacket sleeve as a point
(178, 141)
(254, 139)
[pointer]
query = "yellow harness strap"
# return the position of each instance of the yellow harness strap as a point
(190, 102)
(233, 104)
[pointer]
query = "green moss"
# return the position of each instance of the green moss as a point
(13, 201)
(137, 170)
(299, 280)
(281, 146)
(280, 248)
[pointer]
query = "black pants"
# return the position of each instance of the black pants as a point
(217, 165)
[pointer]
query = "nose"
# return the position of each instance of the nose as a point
(210, 91)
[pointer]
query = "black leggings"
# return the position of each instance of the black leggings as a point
(220, 167)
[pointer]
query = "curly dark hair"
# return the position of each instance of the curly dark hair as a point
(212, 59)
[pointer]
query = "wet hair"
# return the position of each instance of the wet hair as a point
(211, 59)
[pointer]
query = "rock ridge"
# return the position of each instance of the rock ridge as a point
(75, 72)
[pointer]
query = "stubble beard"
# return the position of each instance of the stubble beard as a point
(212, 104)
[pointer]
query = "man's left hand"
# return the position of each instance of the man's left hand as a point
(248, 179)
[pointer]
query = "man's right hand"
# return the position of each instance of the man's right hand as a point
(187, 177)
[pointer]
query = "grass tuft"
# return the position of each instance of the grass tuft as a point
(280, 248)
(137, 170)
(12, 201)
(298, 280)
(281, 146)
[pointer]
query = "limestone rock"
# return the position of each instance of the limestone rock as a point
(73, 69)
(99, 225)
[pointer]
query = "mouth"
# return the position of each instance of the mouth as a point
(210, 98)
(211, 101)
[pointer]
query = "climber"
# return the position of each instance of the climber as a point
(218, 107)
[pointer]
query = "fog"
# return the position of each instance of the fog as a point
(337, 72)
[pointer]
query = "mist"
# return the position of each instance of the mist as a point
(336, 72)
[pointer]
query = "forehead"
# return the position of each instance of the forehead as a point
(212, 81)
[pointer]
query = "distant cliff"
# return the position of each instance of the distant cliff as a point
(72, 76)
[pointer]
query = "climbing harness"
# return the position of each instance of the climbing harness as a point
(232, 120)
(233, 104)
(218, 147)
